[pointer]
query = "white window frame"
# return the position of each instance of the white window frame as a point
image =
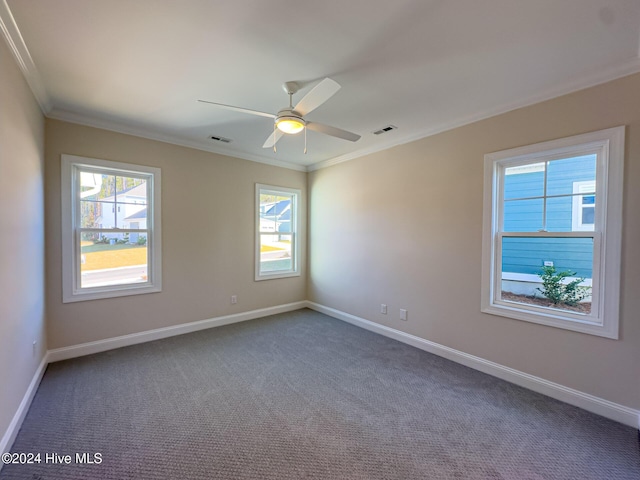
(581, 189)
(604, 318)
(71, 291)
(295, 220)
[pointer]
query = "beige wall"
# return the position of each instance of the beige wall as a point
(401, 227)
(21, 237)
(404, 227)
(207, 234)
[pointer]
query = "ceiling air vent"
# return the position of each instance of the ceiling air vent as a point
(220, 139)
(386, 129)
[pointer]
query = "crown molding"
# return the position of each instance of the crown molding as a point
(598, 77)
(118, 127)
(612, 72)
(15, 41)
(13, 37)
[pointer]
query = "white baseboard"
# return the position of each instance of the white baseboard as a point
(619, 413)
(73, 351)
(600, 406)
(88, 348)
(16, 422)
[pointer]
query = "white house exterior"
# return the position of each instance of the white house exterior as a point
(130, 212)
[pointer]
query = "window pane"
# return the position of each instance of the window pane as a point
(588, 216)
(275, 213)
(523, 263)
(523, 215)
(560, 214)
(97, 186)
(275, 252)
(561, 174)
(130, 215)
(525, 181)
(113, 259)
(96, 214)
(131, 190)
(131, 201)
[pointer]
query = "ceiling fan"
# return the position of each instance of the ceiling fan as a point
(290, 120)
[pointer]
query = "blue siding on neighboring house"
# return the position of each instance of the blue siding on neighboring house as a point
(527, 255)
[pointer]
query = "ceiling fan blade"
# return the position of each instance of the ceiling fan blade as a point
(240, 109)
(333, 131)
(273, 139)
(317, 96)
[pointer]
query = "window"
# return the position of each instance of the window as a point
(555, 207)
(584, 206)
(276, 232)
(110, 229)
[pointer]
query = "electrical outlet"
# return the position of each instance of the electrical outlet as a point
(403, 314)
(383, 308)
(234, 299)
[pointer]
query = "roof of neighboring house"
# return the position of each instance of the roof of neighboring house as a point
(278, 207)
(141, 214)
(137, 191)
(285, 217)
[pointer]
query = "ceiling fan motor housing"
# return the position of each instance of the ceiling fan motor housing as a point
(289, 121)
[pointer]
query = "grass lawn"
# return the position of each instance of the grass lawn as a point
(275, 246)
(269, 248)
(100, 256)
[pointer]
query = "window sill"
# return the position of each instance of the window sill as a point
(101, 293)
(273, 276)
(551, 318)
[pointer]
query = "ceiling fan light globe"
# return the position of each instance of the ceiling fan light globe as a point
(291, 125)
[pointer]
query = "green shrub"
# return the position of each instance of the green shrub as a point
(557, 291)
(142, 241)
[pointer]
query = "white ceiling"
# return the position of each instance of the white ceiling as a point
(422, 65)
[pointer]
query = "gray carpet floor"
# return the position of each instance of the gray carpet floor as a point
(304, 396)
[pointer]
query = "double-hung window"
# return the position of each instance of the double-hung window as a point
(276, 232)
(110, 229)
(552, 232)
